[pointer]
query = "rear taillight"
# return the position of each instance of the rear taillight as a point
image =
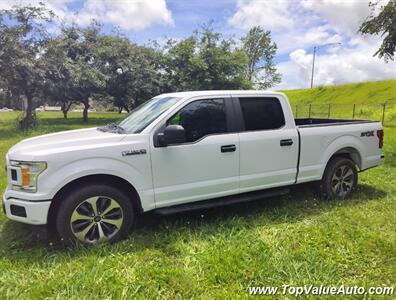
(380, 134)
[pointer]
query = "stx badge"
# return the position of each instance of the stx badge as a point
(367, 133)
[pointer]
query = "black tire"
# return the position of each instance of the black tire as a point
(339, 179)
(114, 224)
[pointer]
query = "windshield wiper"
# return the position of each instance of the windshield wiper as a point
(112, 127)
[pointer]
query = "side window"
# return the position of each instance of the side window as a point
(262, 113)
(201, 117)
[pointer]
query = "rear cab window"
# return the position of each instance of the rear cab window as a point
(261, 113)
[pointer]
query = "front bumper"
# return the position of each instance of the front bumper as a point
(29, 212)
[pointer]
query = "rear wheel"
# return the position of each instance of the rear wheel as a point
(94, 214)
(339, 179)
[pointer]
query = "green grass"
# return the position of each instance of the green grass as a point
(359, 93)
(368, 98)
(296, 239)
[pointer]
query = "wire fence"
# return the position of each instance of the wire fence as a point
(384, 112)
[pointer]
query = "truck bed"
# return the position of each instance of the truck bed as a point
(315, 122)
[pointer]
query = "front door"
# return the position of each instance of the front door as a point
(207, 164)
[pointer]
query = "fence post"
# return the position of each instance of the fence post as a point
(353, 112)
(296, 111)
(328, 114)
(309, 112)
(383, 113)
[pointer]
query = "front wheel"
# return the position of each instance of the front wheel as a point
(339, 179)
(94, 214)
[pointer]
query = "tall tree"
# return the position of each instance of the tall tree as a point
(23, 40)
(385, 24)
(224, 64)
(130, 70)
(260, 52)
(204, 61)
(75, 73)
(87, 72)
(60, 55)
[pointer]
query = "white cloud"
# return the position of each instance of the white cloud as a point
(289, 41)
(273, 15)
(278, 15)
(344, 16)
(345, 65)
(298, 25)
(127, 14)
(135, 15)
(291, 23)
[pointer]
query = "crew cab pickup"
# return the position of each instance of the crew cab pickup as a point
(182, 151)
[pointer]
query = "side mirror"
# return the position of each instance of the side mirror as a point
(173, 134)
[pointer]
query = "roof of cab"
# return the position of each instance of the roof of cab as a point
(221, 92)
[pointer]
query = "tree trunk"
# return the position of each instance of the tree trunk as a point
(29, 106)
(126, 108)
(120, 109)
(85, 111)
(28, 120)
(65, 108)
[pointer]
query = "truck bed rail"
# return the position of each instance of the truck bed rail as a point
(315, 122)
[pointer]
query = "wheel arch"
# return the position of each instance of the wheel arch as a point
(106, 179)
(351, 153)
(348, 152)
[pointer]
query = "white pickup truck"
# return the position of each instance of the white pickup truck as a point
(178, 152)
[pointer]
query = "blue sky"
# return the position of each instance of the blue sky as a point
(296, 26)
(186, 16)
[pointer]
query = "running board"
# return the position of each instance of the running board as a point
(228, 200)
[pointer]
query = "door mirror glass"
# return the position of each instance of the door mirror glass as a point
(173, 134)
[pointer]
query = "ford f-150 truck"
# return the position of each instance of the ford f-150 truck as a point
(178, 152)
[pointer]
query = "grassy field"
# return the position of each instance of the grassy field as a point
(296, 240)
(359, 93)
(368, 98)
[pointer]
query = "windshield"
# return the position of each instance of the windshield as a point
(146, 113)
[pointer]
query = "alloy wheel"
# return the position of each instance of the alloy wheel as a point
(96, 219)
(342, 180)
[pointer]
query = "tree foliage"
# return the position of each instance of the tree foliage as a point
(131, 72)
(260, 52)
(85, 65)
(76, 74)
(23, 40)
(385, 24)
(205, 61)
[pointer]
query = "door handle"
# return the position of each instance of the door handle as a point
(228, 148)
(287, 142)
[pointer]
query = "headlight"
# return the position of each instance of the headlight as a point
(24, 175)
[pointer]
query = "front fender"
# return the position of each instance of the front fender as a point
(52, 180)
(57, 179)
(92, 166)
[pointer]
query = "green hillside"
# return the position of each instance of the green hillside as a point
(359, 93)
(357, 100)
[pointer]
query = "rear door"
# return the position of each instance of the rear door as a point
(268, 146)
(207, 165)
